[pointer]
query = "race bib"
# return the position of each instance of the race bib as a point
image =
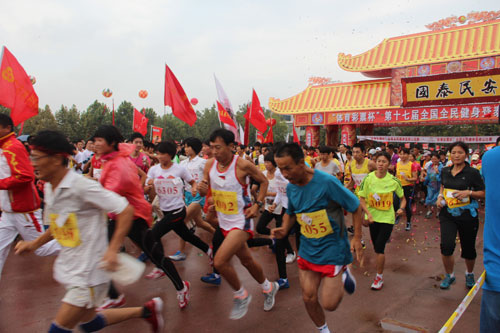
(453, 202)
(68, 235)
(315, 224)
(97, 173)
(225, 202)
(167, 187)
(262, 167)
(380, 201)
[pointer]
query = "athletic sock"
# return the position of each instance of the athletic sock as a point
(209, 252)
(242, 293)
(467, 272)
(266, 286)
(96, 324)
(452, 275)
(381, 276)
(323, 329)
(54, 328)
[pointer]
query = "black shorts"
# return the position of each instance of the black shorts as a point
(380, 234)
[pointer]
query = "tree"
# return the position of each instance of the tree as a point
(68, 122)
(45, 120)
(95, 115)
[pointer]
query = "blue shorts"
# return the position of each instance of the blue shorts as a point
(188, 199)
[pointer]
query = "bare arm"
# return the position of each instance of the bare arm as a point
(204, 183)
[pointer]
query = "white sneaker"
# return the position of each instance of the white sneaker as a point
(378, 283)
(112, 303)
(290, 257)
(156, 273)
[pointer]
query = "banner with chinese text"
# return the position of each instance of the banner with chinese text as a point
(464, 87)
(479, 113)
(429, 139)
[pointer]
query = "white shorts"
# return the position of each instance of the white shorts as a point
(86, 297)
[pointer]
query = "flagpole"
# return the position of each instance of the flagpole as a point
(113, 100)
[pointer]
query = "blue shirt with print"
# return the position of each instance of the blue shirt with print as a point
(318, 194)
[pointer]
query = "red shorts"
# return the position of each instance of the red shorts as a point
(325, 270)
(226, 232)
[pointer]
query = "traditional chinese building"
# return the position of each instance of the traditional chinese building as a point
(445, 76)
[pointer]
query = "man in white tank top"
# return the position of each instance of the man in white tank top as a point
(227, 176)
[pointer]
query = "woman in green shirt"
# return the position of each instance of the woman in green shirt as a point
(376, 195)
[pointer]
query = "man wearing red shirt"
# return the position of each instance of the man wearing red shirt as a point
(19, 198)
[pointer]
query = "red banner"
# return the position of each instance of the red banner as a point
(140, 123)
(414, 116)
(429, 139)
(156, 134)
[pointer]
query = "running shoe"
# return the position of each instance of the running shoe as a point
(447, 282)
(363, 244)
(283, 283)
(469, 280)
(156, 273)
(270, 296)
(155, 306)
(212, 278)
(183, 296)
(290, 257)
(178, 256)
(378, 283)
(143, 257)
(240, 307)
(408, 226)
(349, 281)
(112, 303)
(429, 214)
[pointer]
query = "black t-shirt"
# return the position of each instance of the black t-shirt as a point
(467, 179)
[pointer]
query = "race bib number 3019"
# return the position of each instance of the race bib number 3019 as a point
(315, 224)
(225, 202)
(68, 235)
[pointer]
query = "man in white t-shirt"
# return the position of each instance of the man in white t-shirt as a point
(75, 209)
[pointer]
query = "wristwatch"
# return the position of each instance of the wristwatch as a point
(259, 203)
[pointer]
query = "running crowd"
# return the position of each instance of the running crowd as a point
(324, 196)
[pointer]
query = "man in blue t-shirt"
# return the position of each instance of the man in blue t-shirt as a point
(316, 200)
(490, 303)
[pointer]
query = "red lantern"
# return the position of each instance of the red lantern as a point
(107, 92)
(462, 19)
(271, 122)
(143, 94)
(194, 101)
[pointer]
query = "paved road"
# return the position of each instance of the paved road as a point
(29, 297)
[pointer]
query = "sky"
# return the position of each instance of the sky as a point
(75, 49)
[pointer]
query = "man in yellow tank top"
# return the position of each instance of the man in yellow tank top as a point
(407, 175)
(359, 167)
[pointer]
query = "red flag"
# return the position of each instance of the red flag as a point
(269, 137)
(140, 123)
(246, 139)
(176, 98)
(295, 136)
(257, 117)
(224, 115)
(156, 134)
(260, 137)
(16, 89)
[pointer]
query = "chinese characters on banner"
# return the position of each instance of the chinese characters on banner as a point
(434, 114)
(465, 87)
(429, 139)
(156, 134)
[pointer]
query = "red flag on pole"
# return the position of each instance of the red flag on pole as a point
(269, 137)
(224, 115)
(176, 98)
(246, 136)
(16, 89)
(260, 137)
(257, 117)
(140, 123)
(295, 136)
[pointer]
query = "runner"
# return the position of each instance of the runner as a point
(406, 172)
(431, 178)
(74, 209)
(326, 163)
(195, 165)
(316, 198)
(167, 178)
(461, 186)
(376, 196)
(227, 175)
(19, 198)
(273, 209)
(119, 175)
(137, 156)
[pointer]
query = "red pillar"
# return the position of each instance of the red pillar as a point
(312, 136)
(348, 135)
(332, 135)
